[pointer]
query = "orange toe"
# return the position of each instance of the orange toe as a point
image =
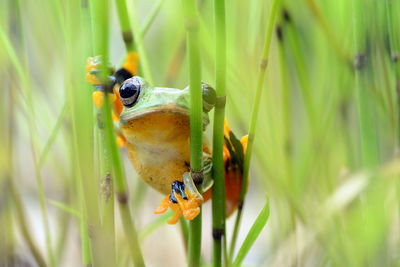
(190, 208)
(177, 213)
(163, 207)
(191, 214)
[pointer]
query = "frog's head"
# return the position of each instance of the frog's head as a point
(143, 102)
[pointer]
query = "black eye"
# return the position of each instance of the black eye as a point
(129, 92)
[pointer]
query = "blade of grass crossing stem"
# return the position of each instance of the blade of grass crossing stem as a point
(100, 33)
(196, 124)
(218, 200)
(251, 237)
(253, 121)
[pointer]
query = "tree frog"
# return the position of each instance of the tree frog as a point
(153, 124)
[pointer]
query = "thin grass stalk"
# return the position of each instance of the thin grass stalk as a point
(185, 233)
(153, 14)
(302, 74)
(394, 54)
(152, 226)
(107, 197)
(16, 197)
(80, 103)
(53, 135)
(144, 62)
(218, 189)
(253, 120)
(8, 237)
(80, 201)
(369, 150)
(63, 226)
(100, 34)
(332, 38)
(119, 179)
(196, 121)
(83, 228)
(26, 88)
(251, 237)
(286, 102)
(126, 30)
(26, 234)
(121, 189)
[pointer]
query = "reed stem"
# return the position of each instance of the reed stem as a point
(253, 120)
(100, 33)
(31, 120)
(218, 189)
(126, 30)
(196, 124)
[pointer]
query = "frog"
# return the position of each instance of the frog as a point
(153, 124)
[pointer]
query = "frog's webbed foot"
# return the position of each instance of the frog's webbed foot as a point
(184, 200)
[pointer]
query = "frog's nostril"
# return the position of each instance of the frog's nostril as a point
(129, 92)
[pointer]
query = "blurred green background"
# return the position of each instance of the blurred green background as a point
(326, 146)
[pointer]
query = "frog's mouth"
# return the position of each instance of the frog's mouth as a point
(130, 115)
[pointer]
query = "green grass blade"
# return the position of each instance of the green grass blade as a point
(64, 207)
(253, 234)
(53, 135)
(254, 117)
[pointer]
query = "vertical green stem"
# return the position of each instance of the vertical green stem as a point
(333, 40)
(196, 123)
(79, 101)
(16, 197)
(126, 30)
(218, 200)
(302, 74)
(34, 140)
(107, 196)
(253, 121)
(99, 12)
(369, 150)
(121, 189)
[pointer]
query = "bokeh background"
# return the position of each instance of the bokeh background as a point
(327, 136)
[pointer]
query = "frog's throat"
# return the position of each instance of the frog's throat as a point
(134, 114)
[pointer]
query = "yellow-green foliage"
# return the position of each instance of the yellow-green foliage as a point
(326, 136)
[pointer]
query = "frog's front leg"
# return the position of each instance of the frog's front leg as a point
(185, 199)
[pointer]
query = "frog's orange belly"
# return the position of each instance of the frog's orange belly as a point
(158, 167)
(159, 147)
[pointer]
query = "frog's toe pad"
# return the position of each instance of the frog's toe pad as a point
(163, 207)
(191, 213)
(92, 65)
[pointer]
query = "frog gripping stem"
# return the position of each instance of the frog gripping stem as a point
(184, 200)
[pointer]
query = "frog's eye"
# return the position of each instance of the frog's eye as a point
(129, 92)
